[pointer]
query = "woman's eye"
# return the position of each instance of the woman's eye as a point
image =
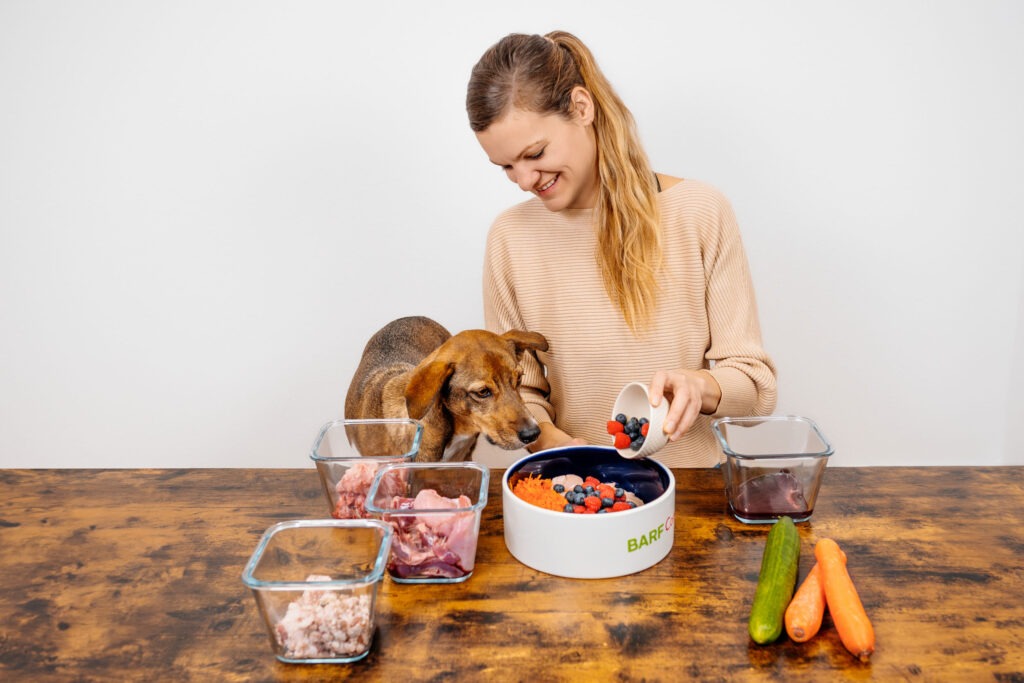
(536, 156)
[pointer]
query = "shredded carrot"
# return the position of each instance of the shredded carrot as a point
(537, 491)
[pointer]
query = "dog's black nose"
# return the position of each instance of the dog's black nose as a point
(529, 434)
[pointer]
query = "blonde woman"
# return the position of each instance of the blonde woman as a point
(631, 275)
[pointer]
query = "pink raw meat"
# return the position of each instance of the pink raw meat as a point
(355, 484)
(435, 544)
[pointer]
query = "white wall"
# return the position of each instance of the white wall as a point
(207, 207)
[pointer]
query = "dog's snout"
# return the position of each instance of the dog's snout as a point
(529, 434)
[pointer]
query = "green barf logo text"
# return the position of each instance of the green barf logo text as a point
(646, 539)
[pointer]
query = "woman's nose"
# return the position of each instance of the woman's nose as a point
(525, 178)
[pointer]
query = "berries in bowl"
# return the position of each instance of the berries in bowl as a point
(614, 535)
(637, 427)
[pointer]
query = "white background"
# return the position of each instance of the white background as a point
(206, 208)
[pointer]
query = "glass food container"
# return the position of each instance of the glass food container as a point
(315, 583)
(434, 510)
(348, 453)
(773, 466)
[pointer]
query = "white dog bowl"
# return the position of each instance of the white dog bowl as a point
(591, 546)
(634, 402)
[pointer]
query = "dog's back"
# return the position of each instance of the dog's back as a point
(394, 350)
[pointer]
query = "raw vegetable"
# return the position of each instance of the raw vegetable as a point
(844, 603)
(807, 608)
(537, 490)
(776, 582)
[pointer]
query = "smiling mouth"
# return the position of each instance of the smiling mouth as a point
(546, 186)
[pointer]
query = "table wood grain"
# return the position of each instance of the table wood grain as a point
(134, 575)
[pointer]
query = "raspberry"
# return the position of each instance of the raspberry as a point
(592, 482)
(592, 503)
(578, 509)
(622, 440)
(620, 505)
(614, 427)
(644, 428)
(606, 491)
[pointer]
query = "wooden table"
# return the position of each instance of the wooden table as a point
(134, 575)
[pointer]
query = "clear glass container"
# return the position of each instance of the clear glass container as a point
(434, 510)
(348, 453)
(315, 583)
(773, 466)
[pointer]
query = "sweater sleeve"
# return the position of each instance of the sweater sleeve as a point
(502, 313)
(740, 365)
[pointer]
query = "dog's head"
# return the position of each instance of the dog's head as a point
(474, 379)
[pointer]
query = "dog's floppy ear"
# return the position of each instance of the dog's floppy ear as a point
(534, 341)
(425, 385)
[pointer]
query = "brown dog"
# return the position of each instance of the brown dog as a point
(457, 387)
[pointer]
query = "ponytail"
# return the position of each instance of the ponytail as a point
(629, 238)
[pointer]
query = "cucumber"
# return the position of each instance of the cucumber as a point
(776, 582)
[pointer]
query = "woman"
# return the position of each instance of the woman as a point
(630, 275)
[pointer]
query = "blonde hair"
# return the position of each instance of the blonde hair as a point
(538, 73)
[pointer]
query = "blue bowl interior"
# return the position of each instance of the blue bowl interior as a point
(645, 478)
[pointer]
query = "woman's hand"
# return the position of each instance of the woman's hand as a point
(690, 393)
(553, 437)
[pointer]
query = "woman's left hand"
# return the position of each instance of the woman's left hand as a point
(690, 393)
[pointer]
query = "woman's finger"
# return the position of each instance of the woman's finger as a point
(656, 389)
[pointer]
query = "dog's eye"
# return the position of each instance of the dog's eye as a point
(482, 393)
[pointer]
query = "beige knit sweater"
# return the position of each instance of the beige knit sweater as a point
(540, 274)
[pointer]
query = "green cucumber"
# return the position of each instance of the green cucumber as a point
(776, 583)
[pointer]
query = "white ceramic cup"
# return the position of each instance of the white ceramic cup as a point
(634, 401)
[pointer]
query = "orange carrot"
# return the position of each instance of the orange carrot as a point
(807, 608)
(537, 490)
(844, 603)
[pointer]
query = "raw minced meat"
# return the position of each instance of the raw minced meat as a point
(325, 624)
(353, 486)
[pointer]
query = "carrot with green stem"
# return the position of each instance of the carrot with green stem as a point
(848, 615)
(807, 608)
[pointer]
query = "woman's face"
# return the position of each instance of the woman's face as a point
(554, 158)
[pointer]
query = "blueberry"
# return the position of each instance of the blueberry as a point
(631, 504)
(558, 488)
(602, 510)
(568, 507)
(620, 418)
(638, 442)
(619, 493)
(589, 490)
(607, 502)
(577, 489)
(644, 420)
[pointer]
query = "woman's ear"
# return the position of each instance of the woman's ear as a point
(582, 105)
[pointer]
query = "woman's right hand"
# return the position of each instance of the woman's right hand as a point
(553, 437)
